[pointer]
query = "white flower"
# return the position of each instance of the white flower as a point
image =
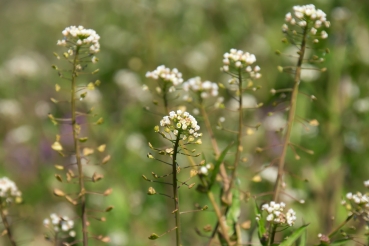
(276, 214)
(324, 34)
(80, 36)
(181, 123)
(366, 183)
(166, 74)
(204, 89)
(9, 190)
(60, 224)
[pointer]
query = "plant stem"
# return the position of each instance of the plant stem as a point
(239, 139)
(223, 174)
(6, 224)
(271, 238)
(340, 226)
(76, 129)
(291, 116)
(175, 192)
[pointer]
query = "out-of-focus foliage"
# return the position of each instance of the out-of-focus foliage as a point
(192, 35)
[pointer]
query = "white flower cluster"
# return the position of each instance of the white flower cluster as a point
(357, 203)
(181, 123)
(80, 36)
(303, 15)
(168, 75)
(276, 215)
(204, 170)
(60, 224)
(205, 88)
(240, 59)
(9, 190)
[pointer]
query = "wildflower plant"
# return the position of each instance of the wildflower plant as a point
(176, 127)
(9, 195)
(304, 28)
(60, 229)
(81, 47)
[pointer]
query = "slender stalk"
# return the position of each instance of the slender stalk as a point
(291, 116)
(239, 138)
(340, 226)
(76, 130)
(271, 238)
(56, 239)
(175, 192)
(223, 174)
(6, 224)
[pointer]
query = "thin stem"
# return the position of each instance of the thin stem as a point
(291, 116)
(175, 192)
(239, 137)
(214, 143)
(271, 238)
(340, 226)
(56, 239)
(77, 151)
(6, 224)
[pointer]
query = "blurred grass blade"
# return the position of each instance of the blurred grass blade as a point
(303, 239)
(260, 223)
(217, 165)
(294, 236)
(341, 241)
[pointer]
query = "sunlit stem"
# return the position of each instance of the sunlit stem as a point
(6, 224)
(77, 150)
(291, 116)
(272, 235)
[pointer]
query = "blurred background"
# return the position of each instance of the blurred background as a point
(192, 35)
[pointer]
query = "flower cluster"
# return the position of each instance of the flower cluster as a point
(181, 123)
(80, 36)
(308, 15)
(276, 215)
(240, 59)
(166, 74)
(9, 190)
(358, 204)
(60, 224)
(205, 89)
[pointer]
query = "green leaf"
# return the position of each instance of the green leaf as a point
(260, 223)
(217, 165)
(303, 239)
(233, 212)
(294, 236)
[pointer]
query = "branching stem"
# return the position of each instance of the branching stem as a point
(76, 129)
(291, 116)
(175, 192)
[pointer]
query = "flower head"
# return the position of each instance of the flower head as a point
(276, 215)
(172, 76)
(80, 37)
(204, 88)
(358, 204)
(60, 224)
(307, 15)
(241, 60)
(9, 190)
(181, 124)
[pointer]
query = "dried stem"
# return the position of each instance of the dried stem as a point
(76, 129)
(291, 116)
(6, 224)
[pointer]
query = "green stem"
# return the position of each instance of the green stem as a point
(340, 226)
(76, 129)
(291, 116)
(272, 236)
(175, 191)
(6, 224)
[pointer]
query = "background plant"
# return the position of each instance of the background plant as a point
(190, 36)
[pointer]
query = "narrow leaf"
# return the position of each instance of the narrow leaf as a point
(294, 236)
(217, 165)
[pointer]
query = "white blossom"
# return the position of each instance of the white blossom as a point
(166, 74)
(60, 224)
(182, 123)
(9, 190)
(78, 36)
(276, 214)
(204, 88)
